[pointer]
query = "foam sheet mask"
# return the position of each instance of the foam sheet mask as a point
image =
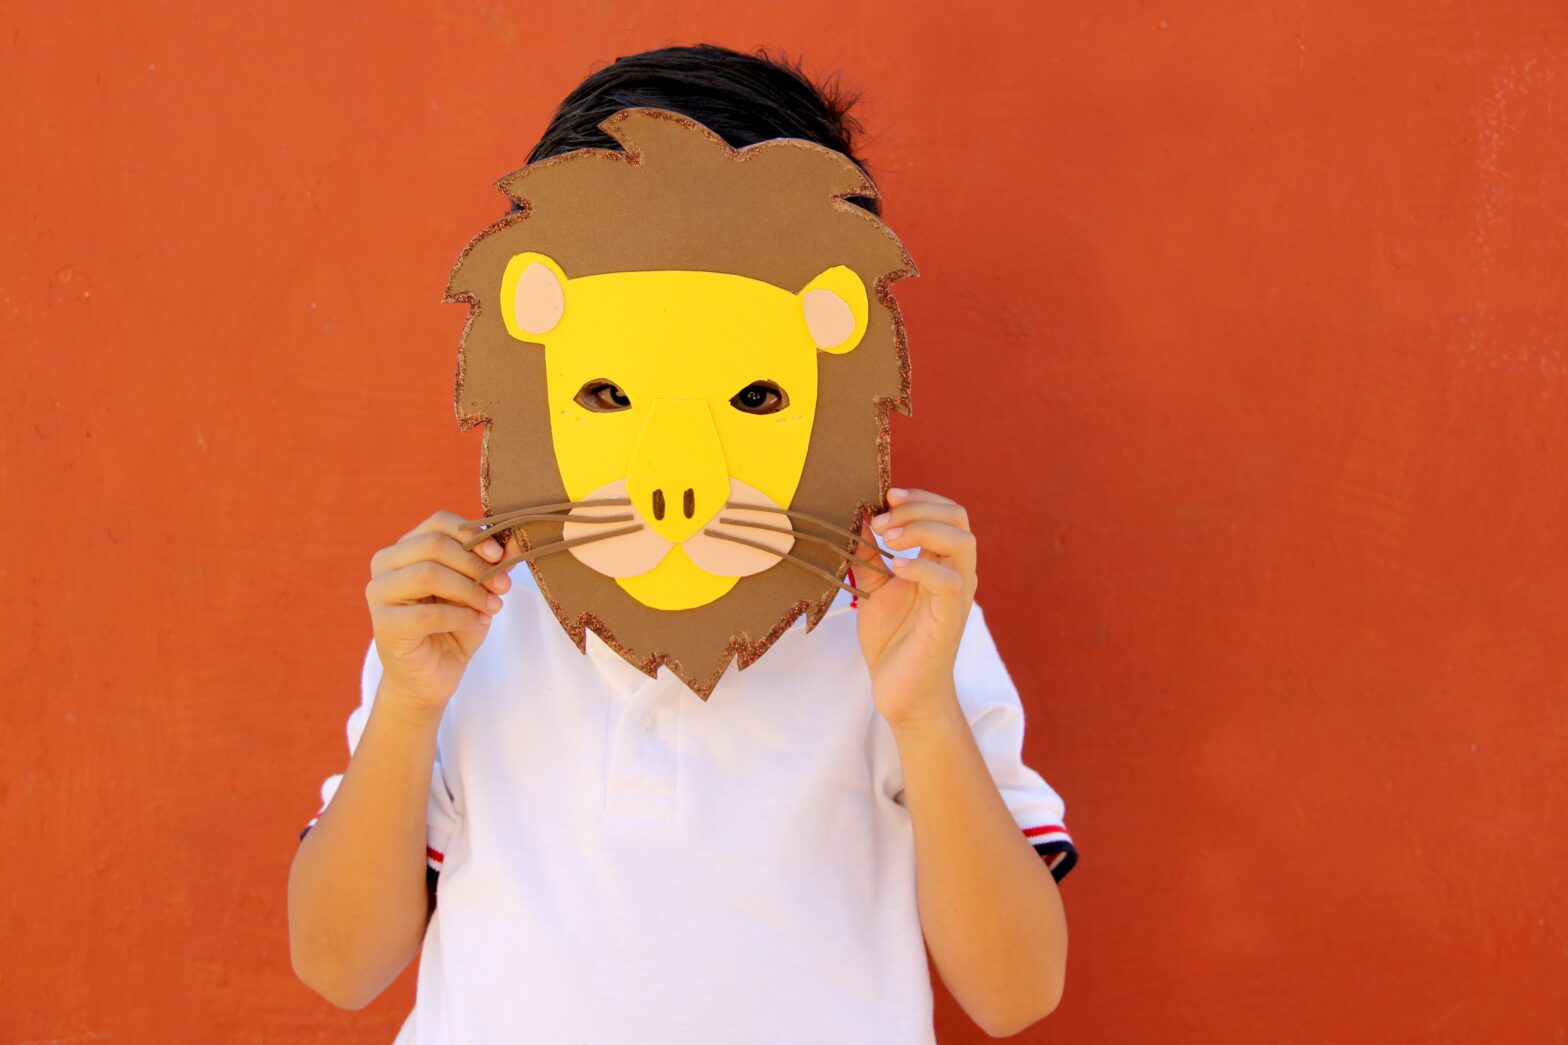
(684, 356)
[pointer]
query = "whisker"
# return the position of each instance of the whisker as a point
(558, 546)
(592, 502)
(803, 517)
(591, 520)
(875, 565)
(797, 560)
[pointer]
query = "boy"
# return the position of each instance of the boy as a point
(618, 861)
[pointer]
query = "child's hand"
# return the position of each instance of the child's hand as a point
(428, 612)
(911, 625)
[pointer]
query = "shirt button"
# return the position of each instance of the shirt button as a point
(647, 721)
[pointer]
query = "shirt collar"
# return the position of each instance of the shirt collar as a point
(626, 679)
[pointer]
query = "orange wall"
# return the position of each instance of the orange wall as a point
(1264, 310)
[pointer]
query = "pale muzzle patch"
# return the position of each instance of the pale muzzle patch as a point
(736, 541)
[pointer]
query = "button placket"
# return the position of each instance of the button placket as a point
(644, 755)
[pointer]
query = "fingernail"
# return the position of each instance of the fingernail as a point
(493, 604)
(898, 492)
(894, 532)
(490, 550)
(502, 582)
(897, 563)
(879, 522)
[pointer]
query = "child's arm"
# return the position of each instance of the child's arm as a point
(989, 908)
(358, 904)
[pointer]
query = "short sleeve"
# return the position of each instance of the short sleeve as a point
(996, 716)
(441, 815)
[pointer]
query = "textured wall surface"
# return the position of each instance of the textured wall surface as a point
(1264, 308)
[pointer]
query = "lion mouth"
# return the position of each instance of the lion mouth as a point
(748, 534)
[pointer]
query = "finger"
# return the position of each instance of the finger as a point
(509, 557)
(868, 580)
(435, 546)
(426, 618)
(422, 580)
(897, 496)
(930, 575)
(439, 522)
(913, 511)
(934, 537)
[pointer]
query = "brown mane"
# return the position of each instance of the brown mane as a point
(679, 197)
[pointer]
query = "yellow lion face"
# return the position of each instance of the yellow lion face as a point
(689, 394)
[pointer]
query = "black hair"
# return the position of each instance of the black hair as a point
(742, 98)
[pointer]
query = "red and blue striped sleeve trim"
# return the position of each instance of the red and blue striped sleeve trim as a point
(1055, 845)
(433, 856)
(311, 823)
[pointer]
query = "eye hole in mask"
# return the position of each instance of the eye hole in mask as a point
(760, 397)
(602, 397)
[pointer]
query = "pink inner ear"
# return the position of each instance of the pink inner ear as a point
(828, 317)
(540, 300)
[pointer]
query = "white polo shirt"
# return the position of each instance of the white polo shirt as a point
(621, 862)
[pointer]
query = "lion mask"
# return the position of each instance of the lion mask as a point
(684, 356)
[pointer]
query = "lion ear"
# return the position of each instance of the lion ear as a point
(835, 308)
(533, 295)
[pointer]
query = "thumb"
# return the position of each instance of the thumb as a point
(868, 580)
(470, 639)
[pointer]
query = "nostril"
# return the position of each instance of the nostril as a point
(658, 504)
(689, 502)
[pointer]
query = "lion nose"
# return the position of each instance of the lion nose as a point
(688, 503)
(678, 477)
